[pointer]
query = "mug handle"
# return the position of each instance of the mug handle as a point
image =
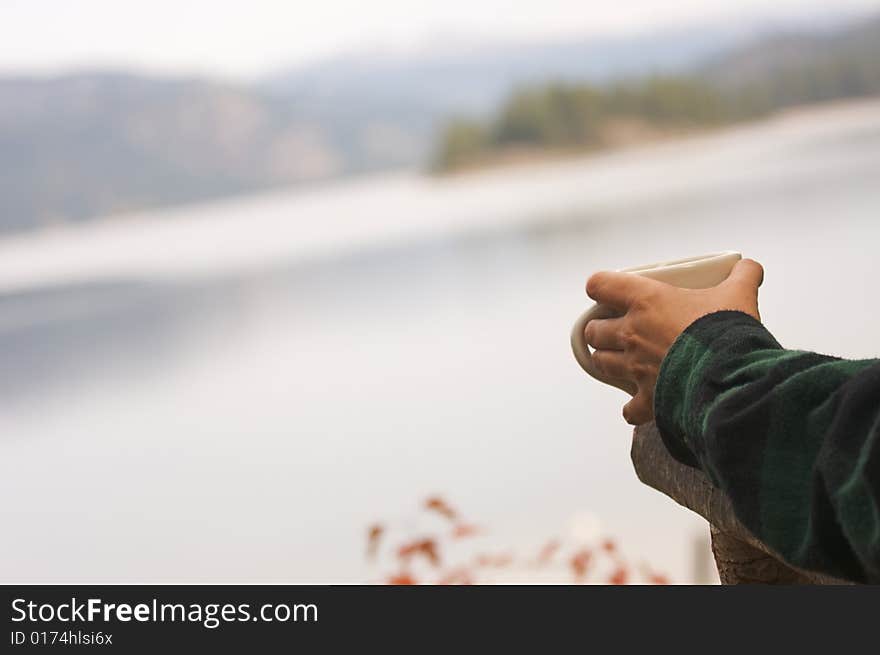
(582, 351)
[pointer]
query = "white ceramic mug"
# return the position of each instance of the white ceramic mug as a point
(692, 273)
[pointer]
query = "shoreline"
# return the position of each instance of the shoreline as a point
(370, 213)
(527, 157)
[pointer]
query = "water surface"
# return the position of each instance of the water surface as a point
(232, 392)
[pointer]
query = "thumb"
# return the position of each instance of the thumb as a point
(747, 274)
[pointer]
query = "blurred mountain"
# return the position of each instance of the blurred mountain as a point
(475, 79)
(79, 146)
(749, 82)
(85, 145)
(385, 110)
(795, 67)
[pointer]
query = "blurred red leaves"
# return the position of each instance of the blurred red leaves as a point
(439, 505)
(424, 547)
(619, 576)
(580, 563)
(401, 579)
(585, 564)
(374, 536)
(460, 576)
(548, 550)
(484, 560)
(498, 560)
(464, 530)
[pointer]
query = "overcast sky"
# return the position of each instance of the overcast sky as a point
(245, 38)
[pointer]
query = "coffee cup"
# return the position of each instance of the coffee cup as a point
(692, 273)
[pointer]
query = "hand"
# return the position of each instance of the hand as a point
(633, 346)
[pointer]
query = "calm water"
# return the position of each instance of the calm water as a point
(232, 392)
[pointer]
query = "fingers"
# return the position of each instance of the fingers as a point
(743, 283)
(746, 273)
(605, 333)
(639, 410)
(617, 289)
(611, 363)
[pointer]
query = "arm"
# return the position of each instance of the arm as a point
(790, 437)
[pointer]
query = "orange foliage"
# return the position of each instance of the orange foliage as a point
(464, 530)
(580, 563)
(401, 579)
(499, 560)
(437, 504)
(461, 576)
(548, 551)
(484, 560)
(658, 578)
(619, 576)
(374, 536)
(425, 547)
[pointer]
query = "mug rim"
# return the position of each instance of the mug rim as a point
(676, 264)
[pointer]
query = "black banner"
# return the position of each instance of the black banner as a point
(253, 618)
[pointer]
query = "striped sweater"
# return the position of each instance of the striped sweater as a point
(792, 438)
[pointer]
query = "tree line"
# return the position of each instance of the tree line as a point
(582, 117)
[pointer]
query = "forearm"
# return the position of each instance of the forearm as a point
(791, 437)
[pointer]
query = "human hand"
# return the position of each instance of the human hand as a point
(633, 346)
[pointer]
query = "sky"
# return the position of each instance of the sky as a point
(243, 39)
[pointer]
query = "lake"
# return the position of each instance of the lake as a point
(234, 391)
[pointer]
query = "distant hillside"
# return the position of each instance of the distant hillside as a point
(81, 146)
(76, 147)
(386, 110)
(797, 68)
(475, 78)
(754, 80)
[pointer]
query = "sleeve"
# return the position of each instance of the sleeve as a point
(792, 438)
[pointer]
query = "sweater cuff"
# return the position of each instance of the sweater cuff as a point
(682, 386)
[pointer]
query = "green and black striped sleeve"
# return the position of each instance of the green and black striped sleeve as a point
(792, 437)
